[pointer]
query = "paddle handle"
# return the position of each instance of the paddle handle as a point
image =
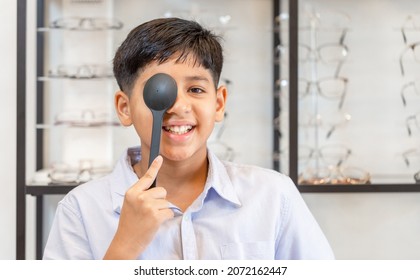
(156, 135)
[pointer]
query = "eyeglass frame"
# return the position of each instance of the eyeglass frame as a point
(317, 50)
(409, 18)
(405, 86)
(342, 37)
(416, 118)
(318, 151)
(77, 172)
(113, 23)
(63, 71)
(279, 48)
(408, 154)
(408, 47)
(85, 122)
(318, 121)
(417, 177)
(317, 84)
(341, 179)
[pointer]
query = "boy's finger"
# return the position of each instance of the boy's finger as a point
(166, 214)
(147, 179)
(157, 193)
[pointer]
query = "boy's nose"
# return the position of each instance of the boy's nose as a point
(181, 105)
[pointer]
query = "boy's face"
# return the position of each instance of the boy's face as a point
(189, 122)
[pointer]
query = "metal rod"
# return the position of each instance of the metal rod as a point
(21, 131)
(276, 98)
(293, 90)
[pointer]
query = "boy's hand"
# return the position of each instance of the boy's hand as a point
(143, 211)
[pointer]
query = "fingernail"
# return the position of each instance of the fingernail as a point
(158, 159)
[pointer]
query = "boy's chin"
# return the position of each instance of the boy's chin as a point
(180, 156)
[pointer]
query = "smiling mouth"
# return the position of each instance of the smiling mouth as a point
(178, 129)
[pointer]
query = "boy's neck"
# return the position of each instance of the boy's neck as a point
(184, 181)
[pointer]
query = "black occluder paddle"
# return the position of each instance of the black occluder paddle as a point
(159, 94)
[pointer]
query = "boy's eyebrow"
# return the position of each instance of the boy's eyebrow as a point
(197, 78)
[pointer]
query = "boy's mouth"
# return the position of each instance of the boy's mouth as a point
(178, 129)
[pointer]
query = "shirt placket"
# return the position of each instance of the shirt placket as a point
(189, 244)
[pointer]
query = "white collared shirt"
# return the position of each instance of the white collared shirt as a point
(244, 212)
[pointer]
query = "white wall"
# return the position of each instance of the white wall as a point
(8, 128)
(369, 225)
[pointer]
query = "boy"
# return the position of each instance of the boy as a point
(201, 208)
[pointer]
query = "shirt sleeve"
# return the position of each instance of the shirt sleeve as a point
(300, 237)
(67, 239)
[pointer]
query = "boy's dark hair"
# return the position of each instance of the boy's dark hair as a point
(159, 40)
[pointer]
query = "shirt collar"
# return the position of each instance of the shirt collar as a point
(123, 177)
(219, 179)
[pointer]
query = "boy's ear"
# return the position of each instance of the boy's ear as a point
(122, 105)
(221, 96)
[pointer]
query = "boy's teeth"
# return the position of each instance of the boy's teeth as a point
(178, 129)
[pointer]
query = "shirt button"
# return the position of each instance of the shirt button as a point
(186, 218)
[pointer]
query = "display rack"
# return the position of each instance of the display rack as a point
(43, 127)
(293, 77)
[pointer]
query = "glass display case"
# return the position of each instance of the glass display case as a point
(347, 94)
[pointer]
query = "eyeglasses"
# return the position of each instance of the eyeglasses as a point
(417, 177)
(327, 53)
(411, 155)
(210, 18)
(324, 19)
(329, 155)
(87, 71)
(353, 176)
(413, 84)
(85, 118)
(86, 23)
(65, 174)
(413, 119)
(318, 121)
(324, 35)
(414, 47)
(411, 23)
(330, 87)
(335, 175)
(312, 159)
